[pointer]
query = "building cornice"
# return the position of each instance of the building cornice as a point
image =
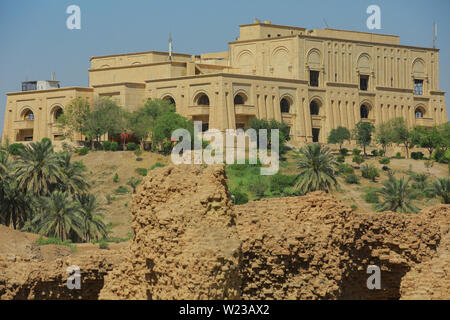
(394, 89)
(180, 63)
(49, 90)
(126, 84)
(139, 53)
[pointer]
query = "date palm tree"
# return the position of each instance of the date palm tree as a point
(316, 169)
(93, 226)
(73, 179)
(397, 196)
(60, 217)
(441, 187)
(38, 168)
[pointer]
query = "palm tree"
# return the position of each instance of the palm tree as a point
(93, 225)
(398, 196)
(60, 217)
(73, 178)
(15, 206)
(316, 165)
(441, 188)
(38, 168)
(3, 164)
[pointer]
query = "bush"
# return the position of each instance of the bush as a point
(103, 244)
(131, 146)
(371, 197)
(439, 156)
(380, 152)
(106, 145)
(157, 165)
(141, 171)
(356, 152)
(384, 161)
(345, 169)
(351, 178)
(343, 151)
(116, 178)
(114, 146)
(358, 160)
(238, 197)
(122, 190)
(258, 186)
(398, 155)
(374, 153)
(83, 151)
(340, 158)
(68, 243)
(369, 172)
(15, 148)
(417, 155)
(386, 168)
(278, 182)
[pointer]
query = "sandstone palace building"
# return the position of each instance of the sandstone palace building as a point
(313, 80)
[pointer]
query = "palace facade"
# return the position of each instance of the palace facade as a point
(313, 80)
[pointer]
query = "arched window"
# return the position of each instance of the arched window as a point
(170, 100)
(57, 113)
(285, 105)
(314, 108)
(239, 99)
(28, 115)
(364, 112)
(203, 100)
(419, 113)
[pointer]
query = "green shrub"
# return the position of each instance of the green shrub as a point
(258, 186)
(116, 178)
(238, 197)
(141, 171)
(398, 155)
(138, 152)
(358, 159)
(439, 155)
(343, 151)
(374, 153)
(354, 206)
(340, 158)
(384, 161)
(103, 244)
(417, 155)
(114, 146)
(278, 182)
(122, 190)
(385, 168)
(83, 151)
(15, 148)
(381, 153)
(157, 165)
(46, 139)
(369, 172)
(68, 243)
(106, 145)
(351, 178)
(356, 152)
(131, 146)
(371, 197)
(345, 169)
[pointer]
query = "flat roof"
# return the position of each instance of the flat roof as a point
(143, 52)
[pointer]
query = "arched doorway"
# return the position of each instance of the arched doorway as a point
(285, 105)
(364, 112)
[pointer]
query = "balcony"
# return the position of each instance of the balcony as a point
(23, 124)
(244, 110)
(426, 122)
(198, 110)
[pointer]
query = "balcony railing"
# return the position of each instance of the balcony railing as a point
(23, 124)
(245, 110)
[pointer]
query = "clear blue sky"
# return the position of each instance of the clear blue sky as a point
(35, 40)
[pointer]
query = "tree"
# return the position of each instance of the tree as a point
(316, 169)
(60, 217)
(363, 134)
(93, 225)
(441, 187)
(73, 178)
(397, 196)
(74, 117)
(284, 130)
(133, 182)
(339, 136)
(168, 123)
(401, 134)
(383, 135)
(428, 138)
(38, 168)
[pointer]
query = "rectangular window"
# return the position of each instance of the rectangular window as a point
(418, 87)
(314, 78)
(363, 83)
(315, 134)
